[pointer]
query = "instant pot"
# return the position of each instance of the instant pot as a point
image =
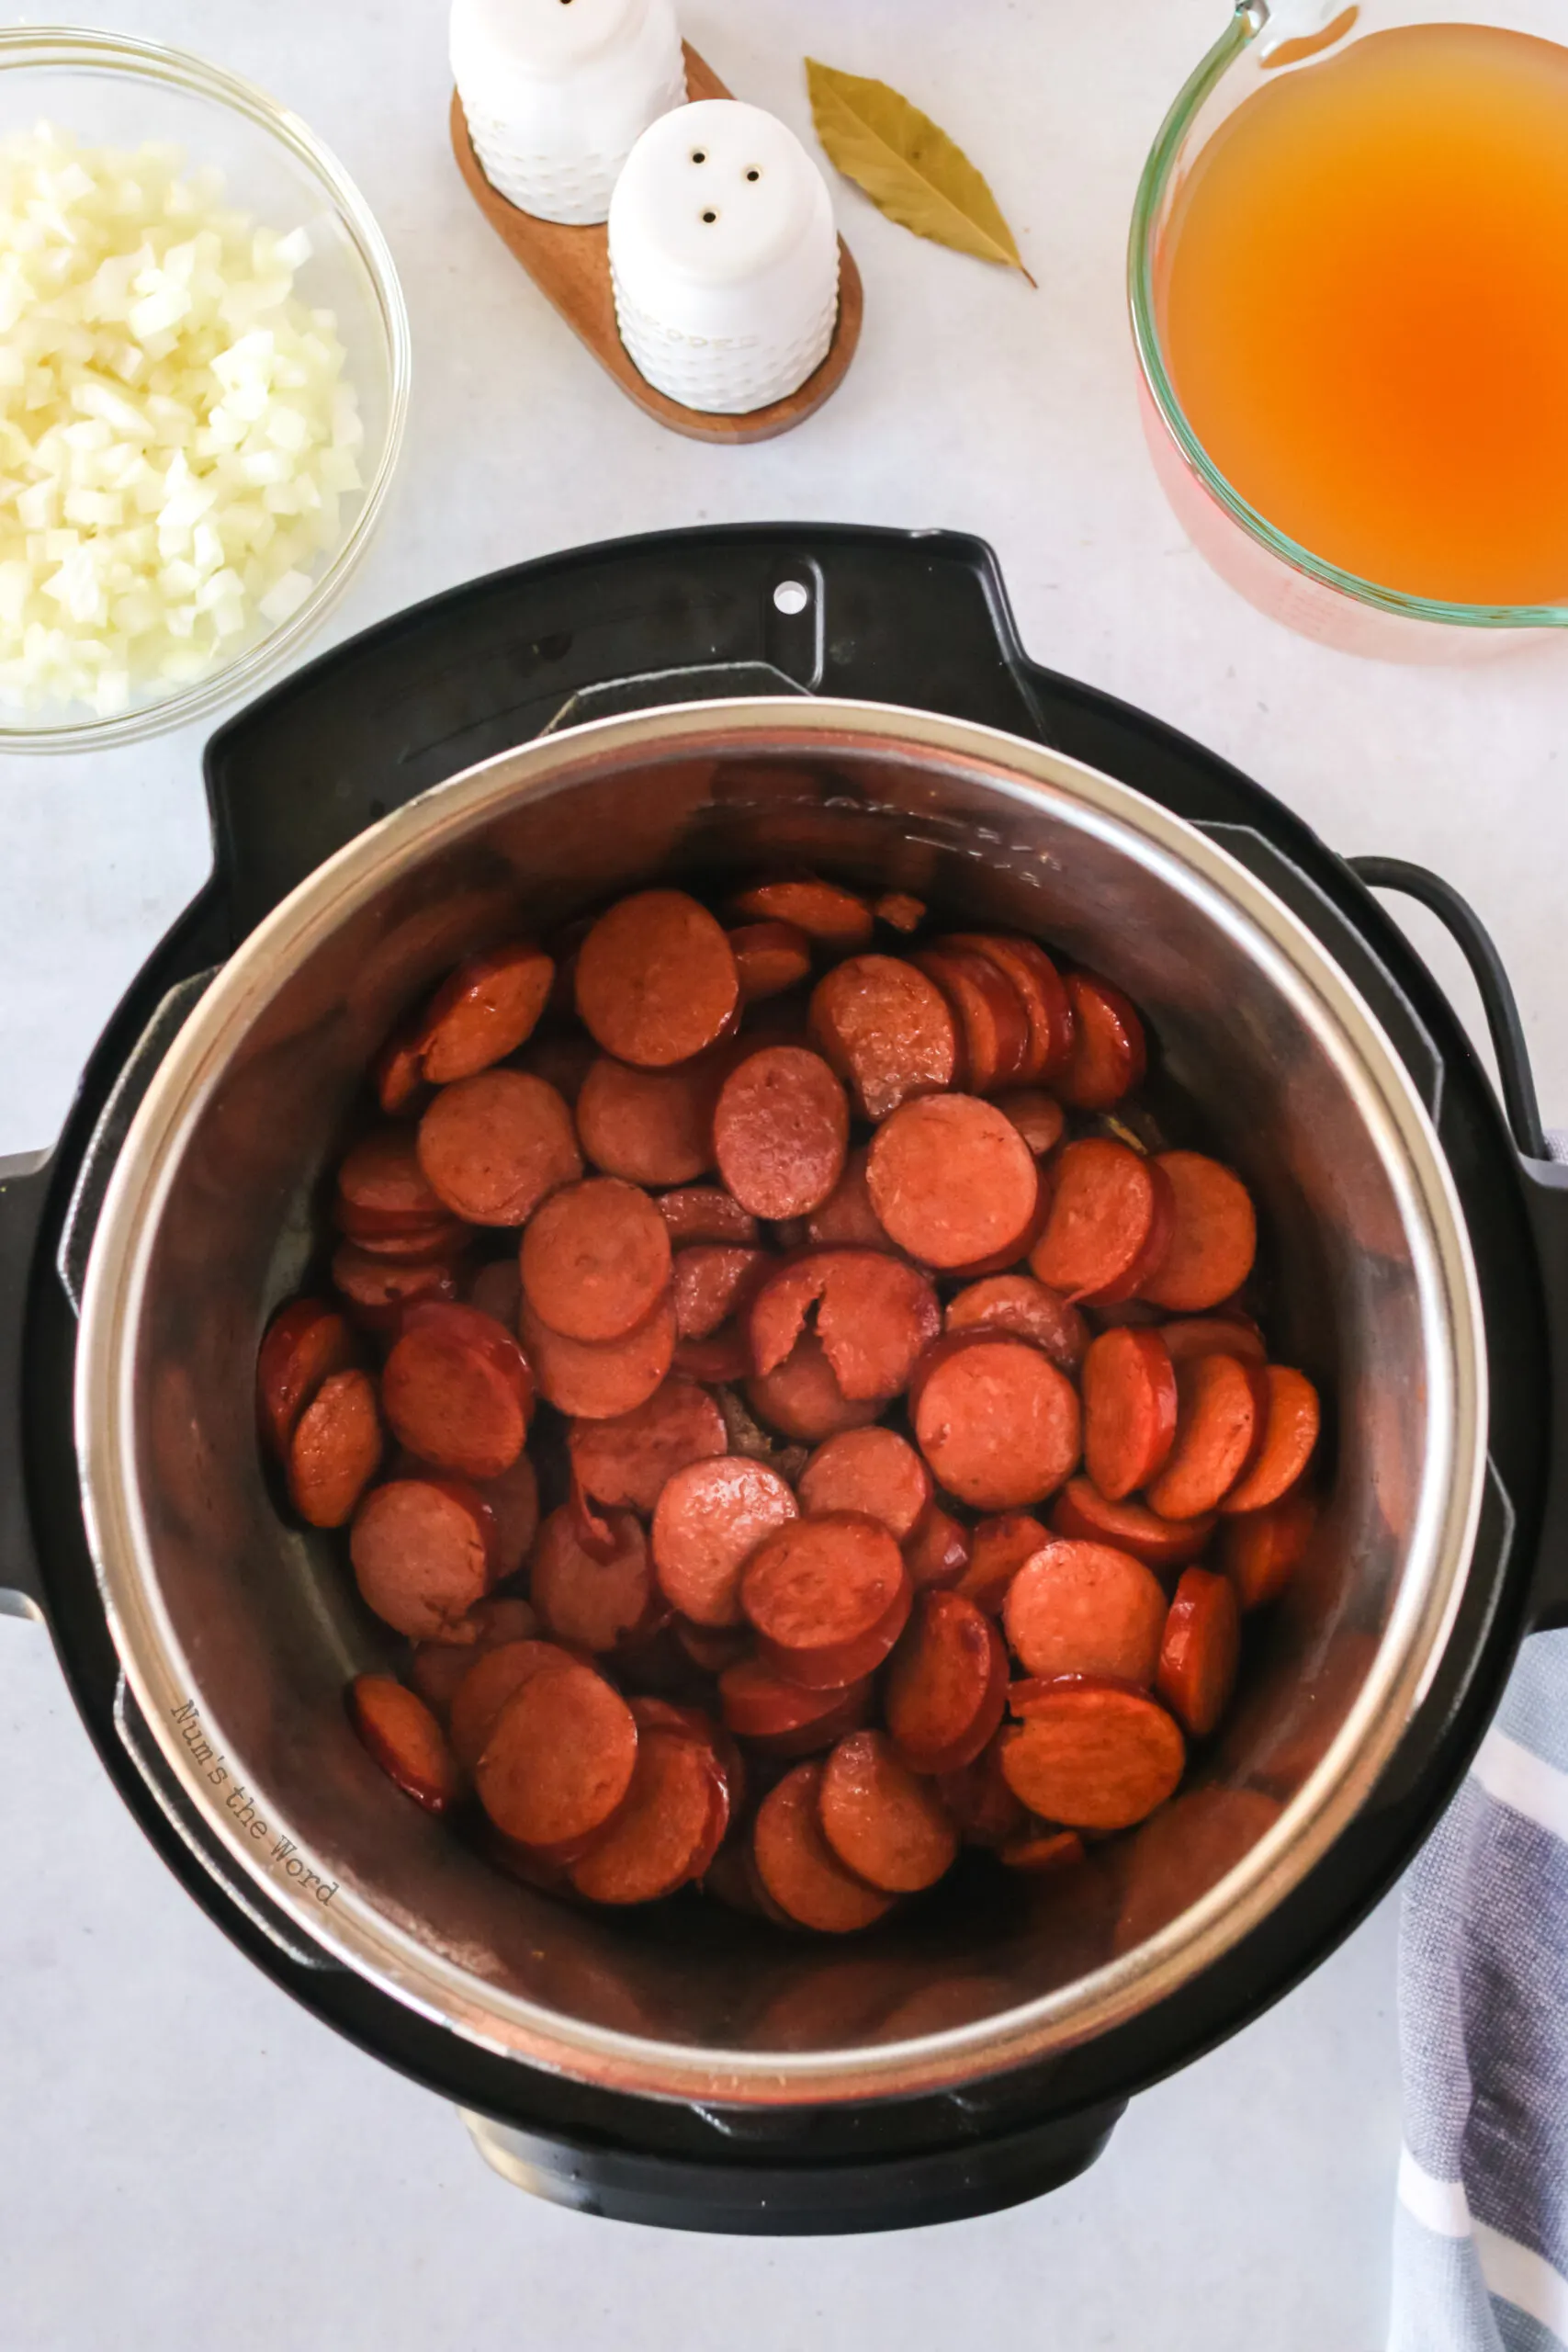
(697, 705)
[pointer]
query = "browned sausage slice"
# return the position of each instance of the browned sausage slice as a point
(1200, 1651)
(696, 1213)
(885, 1824)
(946, 1686)
(458, 1391)
(1092, 1754)
(781, 1131)
(723, 1355)
(712, 1281)
(1222, 1410)
(382, 1188)
(799, 1869)
(1108, 1220)
(999, 1548)
(980, 1801)
(773, 1713)
(405, 1739)
(595, 1259)
(873, 1471)
(379, 1288)
(710, 1519)
(1129, 1411)
(886, 1029)
(495, 1145)
(514, 1503)
(952, 1180)
(656, 980)
(1262, 1550)
(493, 1675)
(1232, 1334)
(1042, 993)
(1038, 1849)
(662, 1835)
(559, 1759)
(1086, 1609)
(598, 1381)
(397, 1077)
(937, 1551)
(1039, 1117)
(437, 1667)
(598, 1604)
(993, 1024)
(1214, 1238)
(827, 1596)
(652, 1126)
(1028, 1310)
(628, 1459)
(1080, 1510)
(305, 1343)
(446, 1240)
(487, 1009)
(847, 1215)
(335, 1449)
(900, 911)
(1109, 1052)
(1290, 1435)
(769, 958)
(834, 917)
(874, 1316)
(998, 1423)
(421, 1549)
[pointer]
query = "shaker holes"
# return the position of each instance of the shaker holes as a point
(790, 596)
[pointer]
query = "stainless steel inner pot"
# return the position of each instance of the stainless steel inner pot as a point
(238, 1631)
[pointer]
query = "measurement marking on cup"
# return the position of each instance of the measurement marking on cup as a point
(283, 1854)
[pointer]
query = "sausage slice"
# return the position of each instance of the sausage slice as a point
(335, 1449)
(829, 1597)
(696, 1213)
(992, 1023)
(1214, 1237)
(491, 1677)
(801, 1398)
(422, 1556)
(1080, 1510)
(437, 1667)
(382, 1188)
(779, 1131)
(1086, 1609)
(595, 1259)
(874, 1315)
(495, 1145)
(656, 980)
(1038, 1116)
(769, 958)
(1038, 1849)
(305, 1343)
(1107, 1222)
(764, 1707)
(946, 1686)
(952, 1180)
(887, 1030)
(1028, 1310)
(1042, 993)
(979, 1798)
(1129, 1411)
(559, 1759)
(487, 1009)
(710, 1519)
(1200, 1651)
(399, 1730)
(999, 1548)
(599, 1380)
(628, 1459)
(712, 1281)
(873, 1472)
(1260, 1550)
(662, 1835)
(884, 1823)
(1222, 1411)
(1109, 1052)
(596, 1603)
(798, 1867)
(998, 1423)
(379, 1288)
(457, 1391)
(826, 912)
(1231, 1334)
(847, 1215)
(1290, 1434)
(1092, 1755)
(937, 1553)
(652, 1126)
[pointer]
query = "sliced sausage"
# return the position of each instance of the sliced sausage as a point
(952, 1180)
(1042, 993)
(437, 1667)
(980, 1801)
(999, 1548)
(710, 1519)
(1039, 1117)
(937, 1553)
(1213, 1236)
(458, 1391)
(801, 1398)
(597, 1605)
(514, 1503)
(399, 1730)
(781, 1131)
(563, 1058)
(492, 1675)
(652, 1126)
(628, 1460)
(874, 1316)
(379, 1288)
(495, 1145)
(1038, 1849)
(597, 1381)
(1290, 1435)
(847, 1215)
(899, 911)
(998, 1423)
(1028, 1310)
(1092, 1755)
(422, 1555)
(696, 1213)
(992, 1025)
(1109, 1219)
(884, 1822)
(663, 1834)
(725, 1354)
(886, 1029)
(656, 980)
(489, 1007)
(1080, 1510)
(827, 1596)
(799, 1868)
(1108, 1054)
(382, 1188)
(305, 1343)
(496, 1289)
(1222, 1412)
(335, 1449)
(946, 1686)
(713, 1280)
(595, 1259)
(765, 1708)
(1260, 1550)
(1200, 1652)
(1086, 1609)
(769, 958)
(1129, 1411)
(1213, 1335)
(835, 917)
(397, 1076)
(559, 1759)
(446, 1240)
(873, 1471)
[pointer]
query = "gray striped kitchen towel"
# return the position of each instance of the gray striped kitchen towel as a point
(1480, 2231)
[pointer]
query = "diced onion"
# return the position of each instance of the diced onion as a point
(176, 435)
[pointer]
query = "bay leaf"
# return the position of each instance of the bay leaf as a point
(908, 166)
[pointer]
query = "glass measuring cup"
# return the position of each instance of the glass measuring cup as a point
(1284, 579)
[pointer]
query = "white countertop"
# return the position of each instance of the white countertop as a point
(183, 2153)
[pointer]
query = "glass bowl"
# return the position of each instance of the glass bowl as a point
(107, 89)
(1264, 39)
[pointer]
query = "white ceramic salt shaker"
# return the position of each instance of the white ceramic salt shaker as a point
(557, 92)
(724, 257)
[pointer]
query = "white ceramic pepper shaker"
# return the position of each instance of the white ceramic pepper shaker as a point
(724, 256)
(557, 92)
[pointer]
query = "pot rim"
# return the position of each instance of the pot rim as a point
(366, 1940)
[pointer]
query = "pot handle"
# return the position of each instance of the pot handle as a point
(24, 1187)
(1544, 1170)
